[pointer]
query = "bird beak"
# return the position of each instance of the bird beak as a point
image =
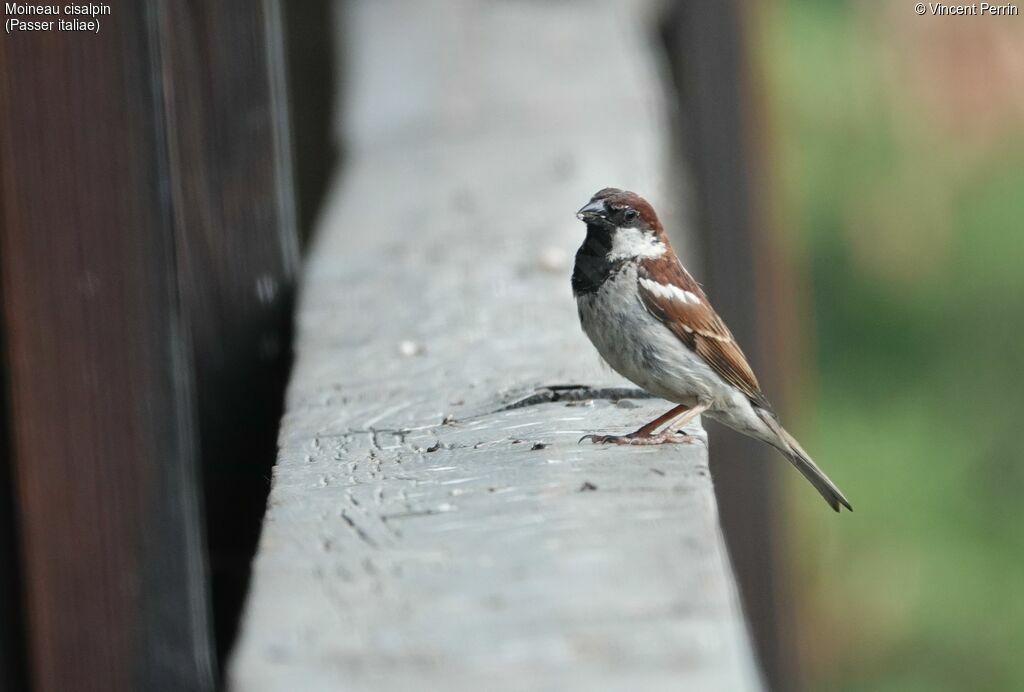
(593, 211)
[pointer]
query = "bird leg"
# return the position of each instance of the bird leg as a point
(664, 418)
(675, 418)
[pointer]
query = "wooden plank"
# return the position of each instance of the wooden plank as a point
(99, 373)
(312, 92)
(237, 249)
(718, 122)
(419, 534)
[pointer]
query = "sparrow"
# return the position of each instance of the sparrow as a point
(654, 325)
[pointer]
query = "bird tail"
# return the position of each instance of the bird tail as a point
(792, 450)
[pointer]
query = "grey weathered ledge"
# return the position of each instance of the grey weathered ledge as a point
(421, 533)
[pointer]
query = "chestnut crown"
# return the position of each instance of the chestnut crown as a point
(619, 208)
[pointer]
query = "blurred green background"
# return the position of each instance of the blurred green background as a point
(900, 160)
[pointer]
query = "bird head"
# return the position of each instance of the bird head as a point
(628, 222)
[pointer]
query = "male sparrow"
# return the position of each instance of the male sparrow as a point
(654, 325)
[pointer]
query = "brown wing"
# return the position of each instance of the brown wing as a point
(671, 294)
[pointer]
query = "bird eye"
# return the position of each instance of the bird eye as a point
(630, 214)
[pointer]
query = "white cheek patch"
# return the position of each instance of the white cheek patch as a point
(670, 292)
(628, 243)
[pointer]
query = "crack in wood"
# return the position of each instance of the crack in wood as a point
(572, 392)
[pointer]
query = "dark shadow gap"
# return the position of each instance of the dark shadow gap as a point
(13, 663)
(241, 397)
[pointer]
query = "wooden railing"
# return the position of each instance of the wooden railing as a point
(433, 522)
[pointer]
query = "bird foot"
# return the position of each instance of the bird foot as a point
(638, 439)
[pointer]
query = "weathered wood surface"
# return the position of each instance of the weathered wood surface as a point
(421, 535)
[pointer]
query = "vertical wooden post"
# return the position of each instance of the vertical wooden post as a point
(148, 256)
(100, 376)
(234, 228)
(717, 126)
(315, 103)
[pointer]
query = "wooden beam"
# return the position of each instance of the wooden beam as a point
(420, 532)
